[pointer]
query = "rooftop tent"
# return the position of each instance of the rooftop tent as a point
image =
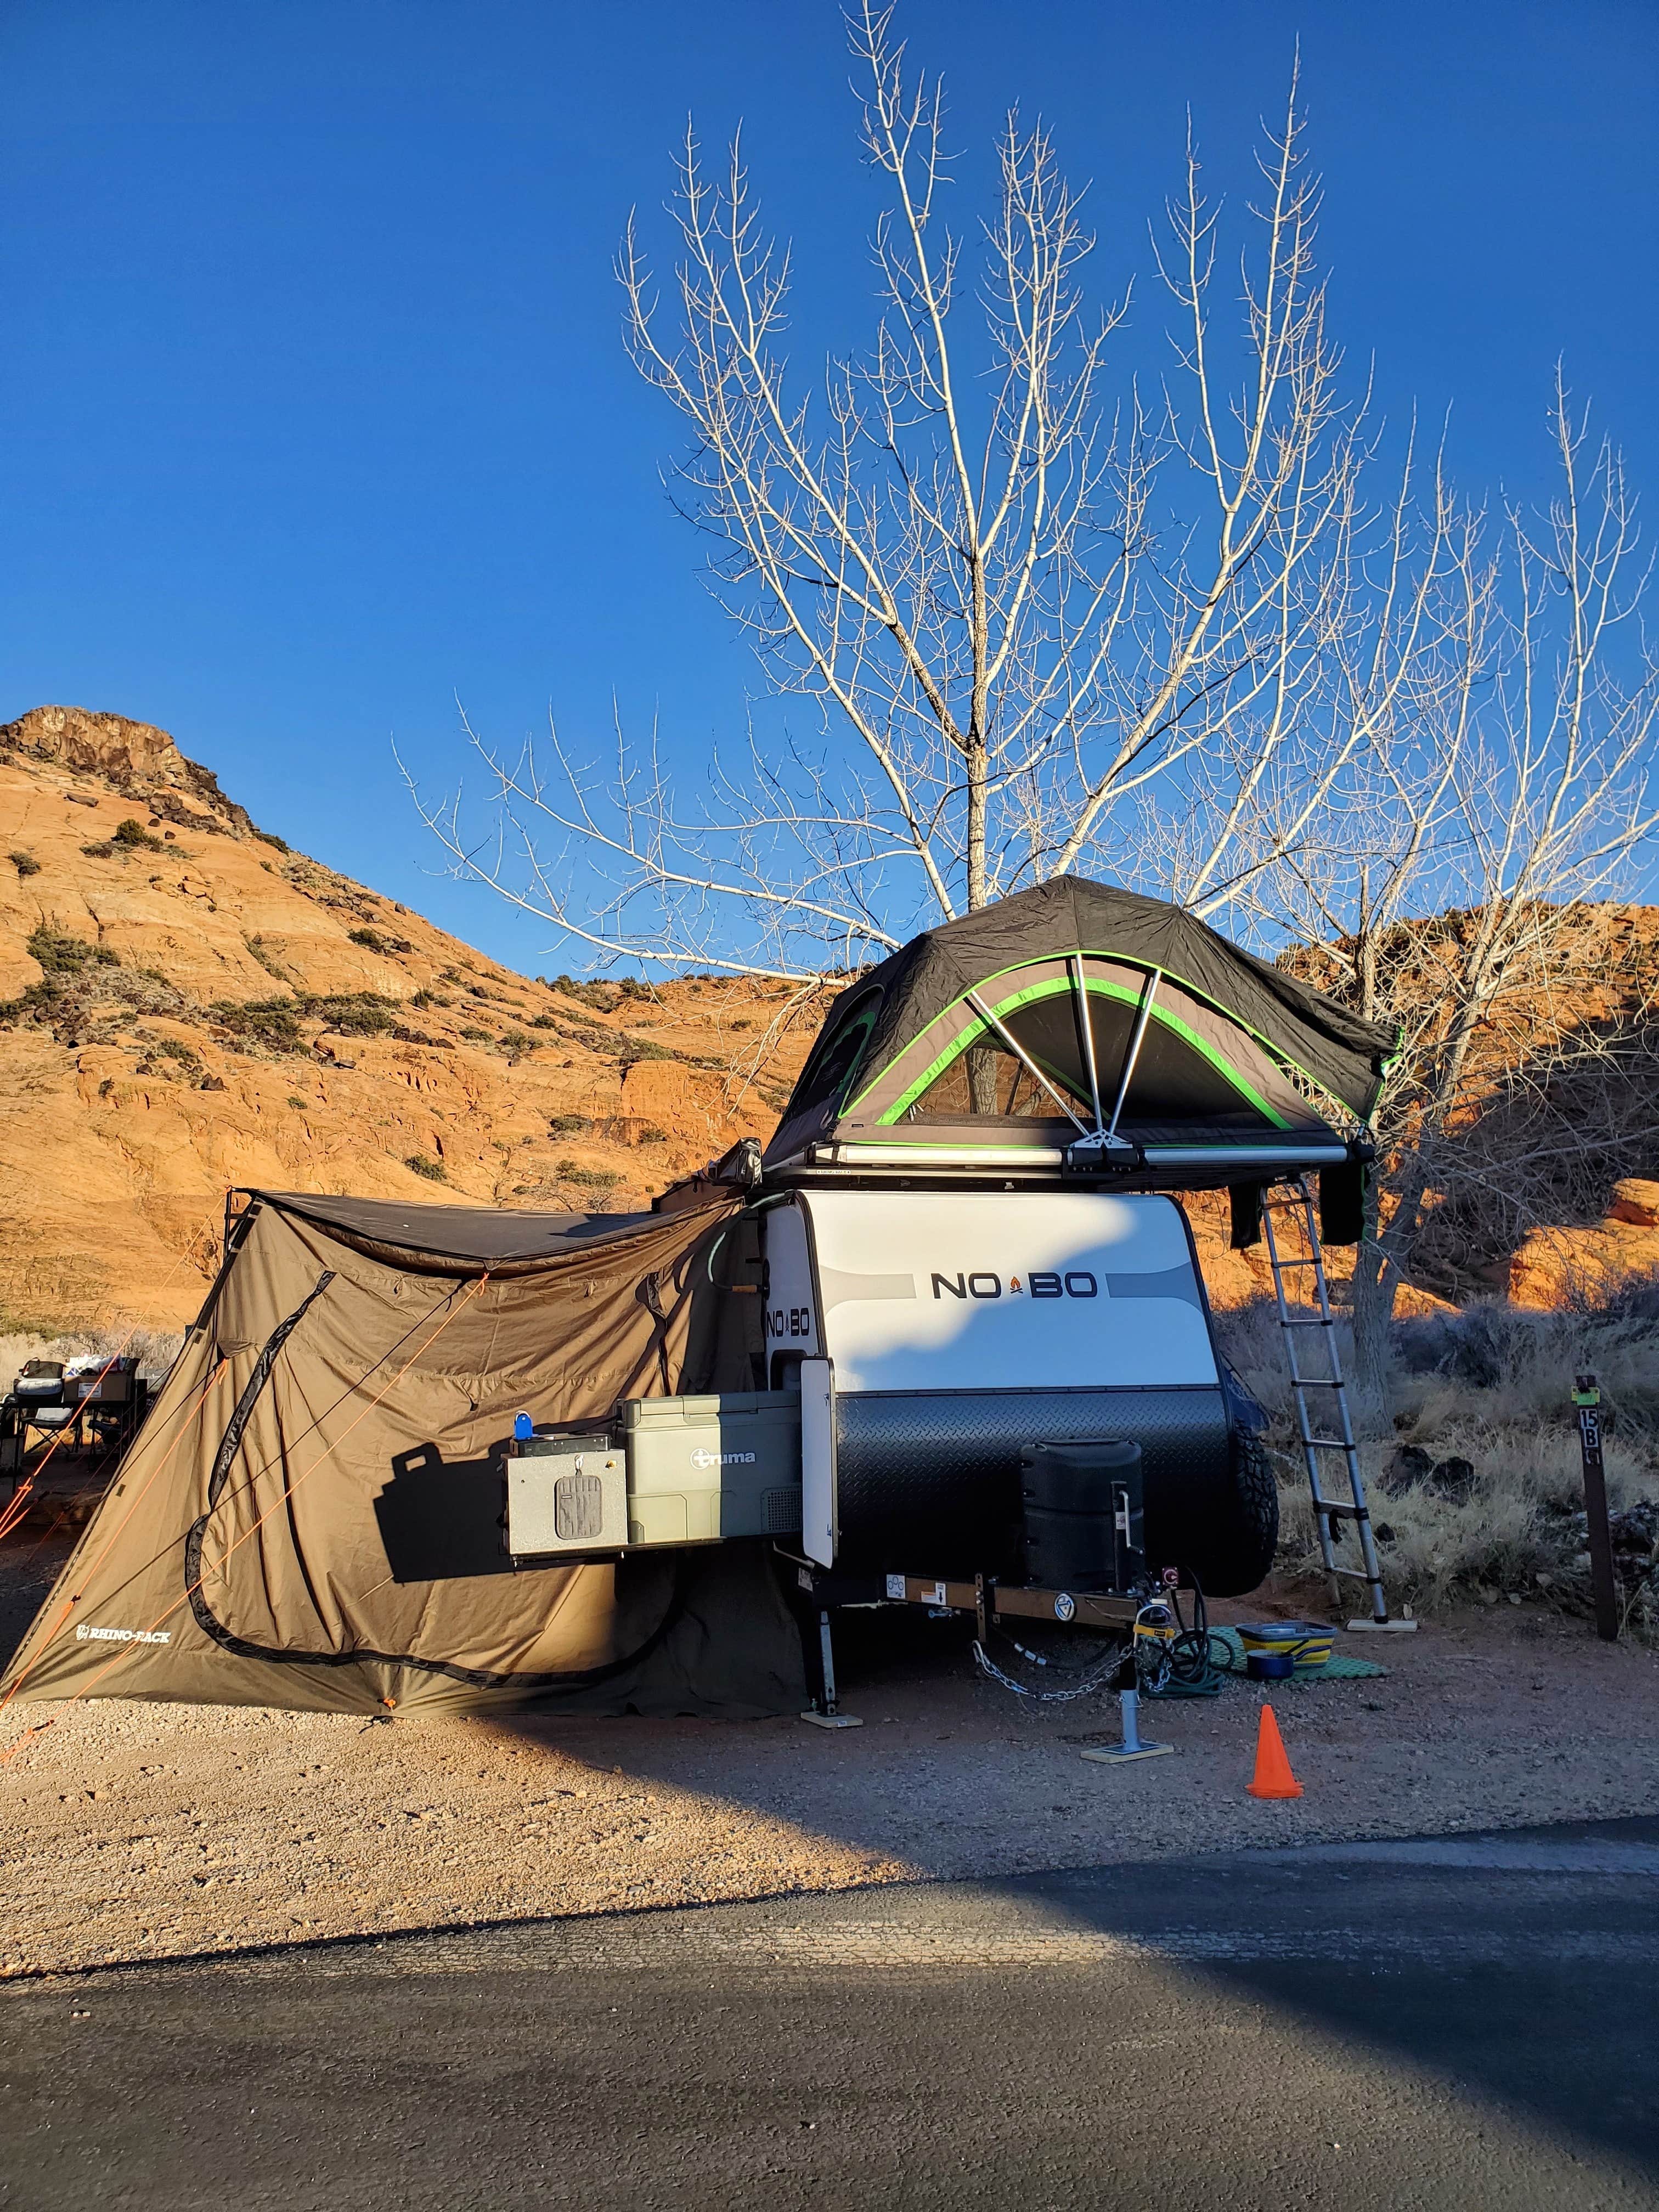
(311, 1516)
(972, 1044)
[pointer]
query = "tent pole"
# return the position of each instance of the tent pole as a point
(1018, 1050)
(1142, 1019)
(1081, 991)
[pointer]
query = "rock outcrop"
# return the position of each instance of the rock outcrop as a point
(133, 757)
(1558, 1267)
(189, 1006)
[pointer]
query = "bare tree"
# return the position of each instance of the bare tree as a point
(1038, 627)
(1193, 639)
(1452, 894)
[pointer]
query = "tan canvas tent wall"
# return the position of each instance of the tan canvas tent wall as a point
(311, 1515)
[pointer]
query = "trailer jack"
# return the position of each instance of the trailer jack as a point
(825, 1712)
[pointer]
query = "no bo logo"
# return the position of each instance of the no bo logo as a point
(1079, 1284)
(789, 1321)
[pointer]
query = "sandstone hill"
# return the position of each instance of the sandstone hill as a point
(188, 1006)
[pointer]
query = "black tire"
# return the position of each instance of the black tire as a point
(1254, 1537)
(1225, 1527)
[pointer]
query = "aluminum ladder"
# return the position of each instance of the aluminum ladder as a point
(1328, 1411)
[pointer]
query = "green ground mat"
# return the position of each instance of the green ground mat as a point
(1339, 1668)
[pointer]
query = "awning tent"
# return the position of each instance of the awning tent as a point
(1008, 1032)
(312, 1515)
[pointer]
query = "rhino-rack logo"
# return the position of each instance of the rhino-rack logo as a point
(85, 1635)
(1080, 1284)
(700, 1458)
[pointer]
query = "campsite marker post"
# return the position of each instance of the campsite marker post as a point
(1588, 1399)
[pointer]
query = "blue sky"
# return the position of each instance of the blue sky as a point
(316, 409)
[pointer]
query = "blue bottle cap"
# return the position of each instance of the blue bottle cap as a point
(523, 1426)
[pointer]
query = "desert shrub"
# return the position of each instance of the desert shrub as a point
(433, 1170)
(269, 837)
(273, 1023)
(132, 833)
(587, 1178)
(86, 993)
(475, 1035)
(1526, 1361)
(299, 1105)
(259, 951)
(61, 954)
(567, 1125)
(353, 1013)
(375, 943)
(24, 862)
(425, 998)
(515, 1041)
(158, 1059)
(604, 997)
(1479, 1494)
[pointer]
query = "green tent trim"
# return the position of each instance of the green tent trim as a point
(1056, 987)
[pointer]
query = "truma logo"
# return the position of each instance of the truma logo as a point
(700, 1458)
(1080, 1284)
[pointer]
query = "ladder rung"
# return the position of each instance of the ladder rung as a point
(1283, 1264)
(1357, 1575)
(1330, 1444)
(1312, 1320)
(1320, 1382)
(1343, 1512)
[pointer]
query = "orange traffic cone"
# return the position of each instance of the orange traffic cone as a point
(1274, 1777)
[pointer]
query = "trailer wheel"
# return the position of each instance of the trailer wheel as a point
(1222, 1525)
(1255, 1535)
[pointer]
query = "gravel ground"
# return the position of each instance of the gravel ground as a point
(144, 1831)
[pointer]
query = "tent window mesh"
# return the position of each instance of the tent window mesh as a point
(986, 1079)
(1173, 1081)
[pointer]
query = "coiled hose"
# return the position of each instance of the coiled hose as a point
(1186, 1664)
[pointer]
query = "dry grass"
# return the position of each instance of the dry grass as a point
(1479, 1494)
(154, 1349)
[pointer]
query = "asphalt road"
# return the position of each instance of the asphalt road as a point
(1462, 2022)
